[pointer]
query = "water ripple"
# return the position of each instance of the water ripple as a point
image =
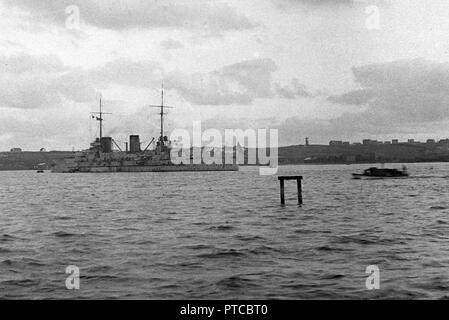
(224, 235)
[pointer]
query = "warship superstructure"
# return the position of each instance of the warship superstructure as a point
(101, 157)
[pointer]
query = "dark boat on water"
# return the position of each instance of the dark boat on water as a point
(41, 167)
(376, 173)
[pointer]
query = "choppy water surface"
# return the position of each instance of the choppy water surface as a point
(224, 235)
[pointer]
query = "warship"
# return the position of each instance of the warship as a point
(101, 157)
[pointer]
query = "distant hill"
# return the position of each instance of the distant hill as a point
(299, 154)
(29, 160)
(359, 153)
(402, 152)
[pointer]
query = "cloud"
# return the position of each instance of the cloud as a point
(349, 127)
(406, 91)
(43, 82)
(171, 44)
(320, 2)
(30, 82)
(355, 97)
(400, 99)
(238, 83)
(125, 14)
(315, 3)
(20, 64)
(33, 129)
(293, 91)
(139, 74)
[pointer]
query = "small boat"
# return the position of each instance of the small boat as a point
(376, 173)
(41, 167)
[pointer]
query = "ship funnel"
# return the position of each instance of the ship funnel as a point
(106, 144)
(134, 144)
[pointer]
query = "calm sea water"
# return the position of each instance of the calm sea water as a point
(224, 235)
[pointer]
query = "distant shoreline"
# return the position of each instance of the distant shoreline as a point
(289, 155)
(376, 164)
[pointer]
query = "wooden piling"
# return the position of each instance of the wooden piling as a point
(298, 182)
(299, 186)
(282, 192)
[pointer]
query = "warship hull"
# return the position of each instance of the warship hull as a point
(98, 162)
(150, 168)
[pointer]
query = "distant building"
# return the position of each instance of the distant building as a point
(16, 150)
(430, 141)
(335, 143)
(394, 141)
(387, 142)
(351, 158)
(346, 143)
(411, 141)
(369, 142)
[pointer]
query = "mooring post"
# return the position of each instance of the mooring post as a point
(298, 181)
(299, 185)
(282, 191)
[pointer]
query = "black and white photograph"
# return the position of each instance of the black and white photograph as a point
(224, 150)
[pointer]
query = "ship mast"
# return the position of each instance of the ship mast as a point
(100, 118)
(162, 113)
(101, 121)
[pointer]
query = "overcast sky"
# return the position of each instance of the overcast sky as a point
(323, 69)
